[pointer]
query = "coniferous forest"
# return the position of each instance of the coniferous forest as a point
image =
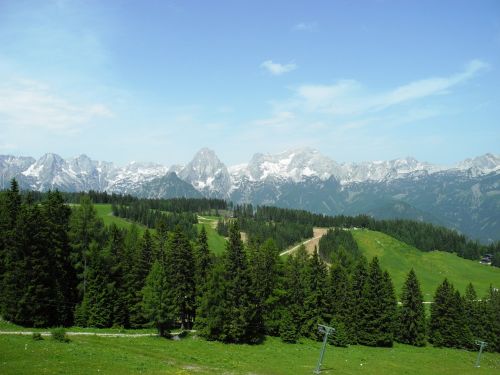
(61, 266)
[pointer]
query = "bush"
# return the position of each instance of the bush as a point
(59, 334)
(36, 336)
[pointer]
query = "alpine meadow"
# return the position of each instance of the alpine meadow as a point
(258, 188)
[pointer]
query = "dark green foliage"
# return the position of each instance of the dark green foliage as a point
(210, 316)
(36, 336)
(264, 271)
(358, 282)
(295, 286)
(340, 300)
(339, 246)
(181, 273)
(288, 330)
(228, 312)
(411, 315)
(141, 212)
(448, 326)
(339, 337)
(316, 301)
(203, 264)
(59, 335)
(157, 299)
(378, 308)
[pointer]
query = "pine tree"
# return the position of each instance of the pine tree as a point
(316, 298)
(11, 259)
(140, 268)
(411, 315)
(264, 271)
(85, 228)
(339, 297)
(295, 286)
(357, 307)
(180, 269)
(379, 304)
(242, 316)
(203, 263)
(57, 215)
(447, 324)
(474, 316)
(157, 300)
(288, 330)
(211, 313)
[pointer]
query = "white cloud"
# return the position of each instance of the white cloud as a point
(306, 26)
(277, 68)
(27, 103)
(349, 97)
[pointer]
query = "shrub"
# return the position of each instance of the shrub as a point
(59, 334)
(36, 336)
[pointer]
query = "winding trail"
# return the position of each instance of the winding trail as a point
(310, 243)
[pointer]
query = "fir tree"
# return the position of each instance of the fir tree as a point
(264, 271)
(242, 316)
(157, 300)
(181, 268)
(203, 263)
(447, 324)
(379, 304)
(316, 299)
(474, 316)
(411, 316)
(288, 330)
(295, 285)
(339, 297)
(358, 282)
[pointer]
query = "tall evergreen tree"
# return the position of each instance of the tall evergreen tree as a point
(316, 298)
(358, 282)
(411, 316)
(339, 300)
(57, 215)
(295, 286)
(203, 263)
(379, 304)
(181, 269)
(85, 227)
(447, 324)
(474, 316)
(264, 271)
(157, 300)
(11, 259)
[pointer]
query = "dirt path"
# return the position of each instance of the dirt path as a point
(311, 243)
(29, 333)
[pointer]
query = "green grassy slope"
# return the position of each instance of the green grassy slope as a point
(431, 267)
(216, 243)
(152, 355)
(105, 213)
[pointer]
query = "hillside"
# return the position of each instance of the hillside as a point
(431, 267)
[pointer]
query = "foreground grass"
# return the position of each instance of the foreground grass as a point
(153, 355)
(431, 267)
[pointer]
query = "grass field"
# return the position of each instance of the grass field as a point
(105, 213)
(431, 267)
(192, 355)
(216, 243)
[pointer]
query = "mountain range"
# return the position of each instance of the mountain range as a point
(465, 197)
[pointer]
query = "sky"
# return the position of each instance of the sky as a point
(157, 80)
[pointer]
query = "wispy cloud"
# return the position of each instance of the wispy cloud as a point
(350, 97)
(27, 103)
(306, 26)
(277, 68)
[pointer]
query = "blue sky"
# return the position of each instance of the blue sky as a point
(158, 80)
